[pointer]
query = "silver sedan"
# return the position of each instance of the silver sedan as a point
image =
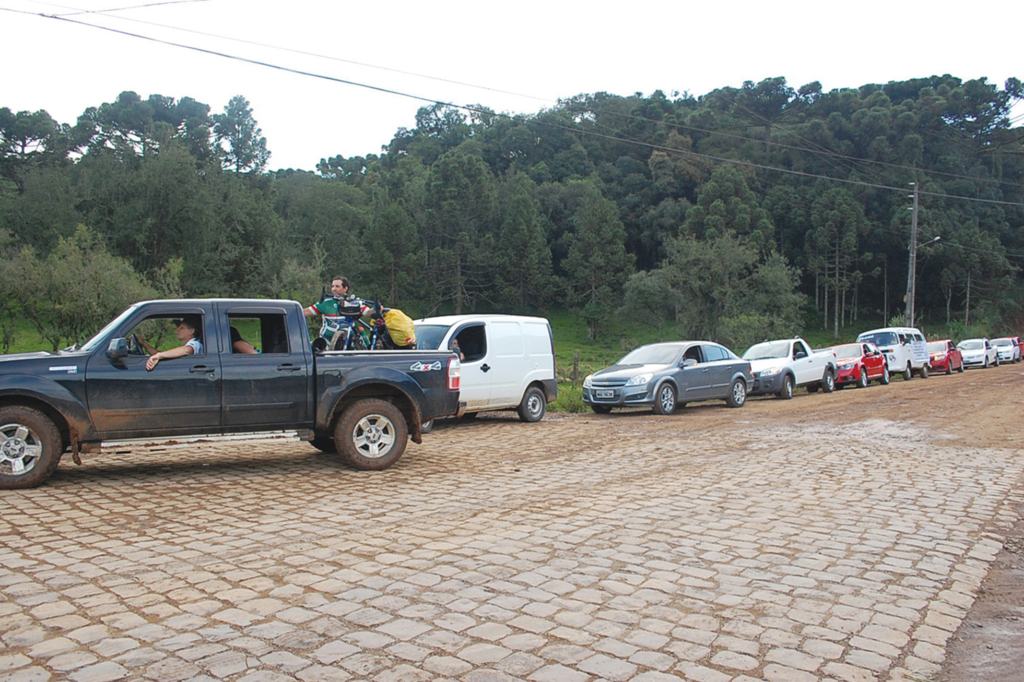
(664, 376)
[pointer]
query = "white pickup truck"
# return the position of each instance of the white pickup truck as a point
(781, 366)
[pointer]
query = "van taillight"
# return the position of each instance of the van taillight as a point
(454, 373)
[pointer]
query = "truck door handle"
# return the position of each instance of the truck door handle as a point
(288, 367)
(201, 369)
(485, 367)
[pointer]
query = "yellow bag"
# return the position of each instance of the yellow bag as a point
(400, 328)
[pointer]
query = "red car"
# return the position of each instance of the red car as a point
(860, 364)
(944, 356)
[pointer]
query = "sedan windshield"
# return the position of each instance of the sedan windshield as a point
(1003, 342)
(972, 345)
(651, 355)
(937, 347)
(850, 350)
(767, 350)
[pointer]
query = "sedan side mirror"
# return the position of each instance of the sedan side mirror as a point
(689, 362)
(118, 349)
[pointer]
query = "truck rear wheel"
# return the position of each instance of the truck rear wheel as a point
(371, 435)
(30, 447)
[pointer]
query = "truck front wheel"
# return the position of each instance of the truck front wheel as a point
(30, 447)
(371, 435)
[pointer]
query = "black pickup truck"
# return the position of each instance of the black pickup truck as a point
(362, 404)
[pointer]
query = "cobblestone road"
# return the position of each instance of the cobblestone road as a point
(827, 538)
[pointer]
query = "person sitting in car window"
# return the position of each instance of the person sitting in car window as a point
(187, 331)
(240, 345)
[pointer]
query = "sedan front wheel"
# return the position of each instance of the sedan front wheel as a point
(665, 401)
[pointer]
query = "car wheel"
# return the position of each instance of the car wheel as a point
(960, 369)
(886, 378)
(828, 382)
(908, 373)
(371, 435)
(426, 427)
(985, 366)
(787, 388)
(30, 447)
(737, 394)
(997, 361)
(949, 367)
(534, 405)
(862, 382)
(601, 409)
(924, 372)
(665, 400)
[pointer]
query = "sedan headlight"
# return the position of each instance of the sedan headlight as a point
(586, 381)
(771, 371)
(640, 379)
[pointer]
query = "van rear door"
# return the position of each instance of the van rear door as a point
(509, 366)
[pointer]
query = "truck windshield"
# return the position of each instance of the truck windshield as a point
(880, 338)
(651, 355)
(850, 350)
(429, 336)
(767, 350)
(94, 343)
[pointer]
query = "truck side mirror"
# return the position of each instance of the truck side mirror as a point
(118, 349)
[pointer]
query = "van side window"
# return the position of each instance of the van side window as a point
(473, 342)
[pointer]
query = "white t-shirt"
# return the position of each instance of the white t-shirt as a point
(196, 345)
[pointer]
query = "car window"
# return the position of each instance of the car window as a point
(880, 338)
(767, 351)
(651, 355)
(715, 353)
(429, 336)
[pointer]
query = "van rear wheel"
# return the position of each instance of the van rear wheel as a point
(534, 405)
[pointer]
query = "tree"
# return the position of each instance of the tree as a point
(522, 258)
(75, 290)
(838, 221)
(27, 140)
(597, 262)
(239, 139)
(461, 224)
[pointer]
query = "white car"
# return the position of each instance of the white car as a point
(1007, 349)
(905, 349)
(978, 353)
(508, 361)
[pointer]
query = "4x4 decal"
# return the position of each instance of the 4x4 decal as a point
(420, 367)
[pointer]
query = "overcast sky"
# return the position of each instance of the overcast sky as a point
(517, 57)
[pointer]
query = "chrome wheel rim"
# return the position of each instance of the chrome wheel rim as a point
(374, 436)
(20, 449)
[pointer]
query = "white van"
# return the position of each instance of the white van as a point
(905, 349)
(508, 361)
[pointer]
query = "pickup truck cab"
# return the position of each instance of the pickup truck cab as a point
(364, 405)
(781, 366)
(905, 348)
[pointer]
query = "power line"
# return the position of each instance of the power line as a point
(398, 93)
(820, 151)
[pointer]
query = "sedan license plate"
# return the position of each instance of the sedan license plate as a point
(604, 394)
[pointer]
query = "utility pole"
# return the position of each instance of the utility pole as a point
(912, 268)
